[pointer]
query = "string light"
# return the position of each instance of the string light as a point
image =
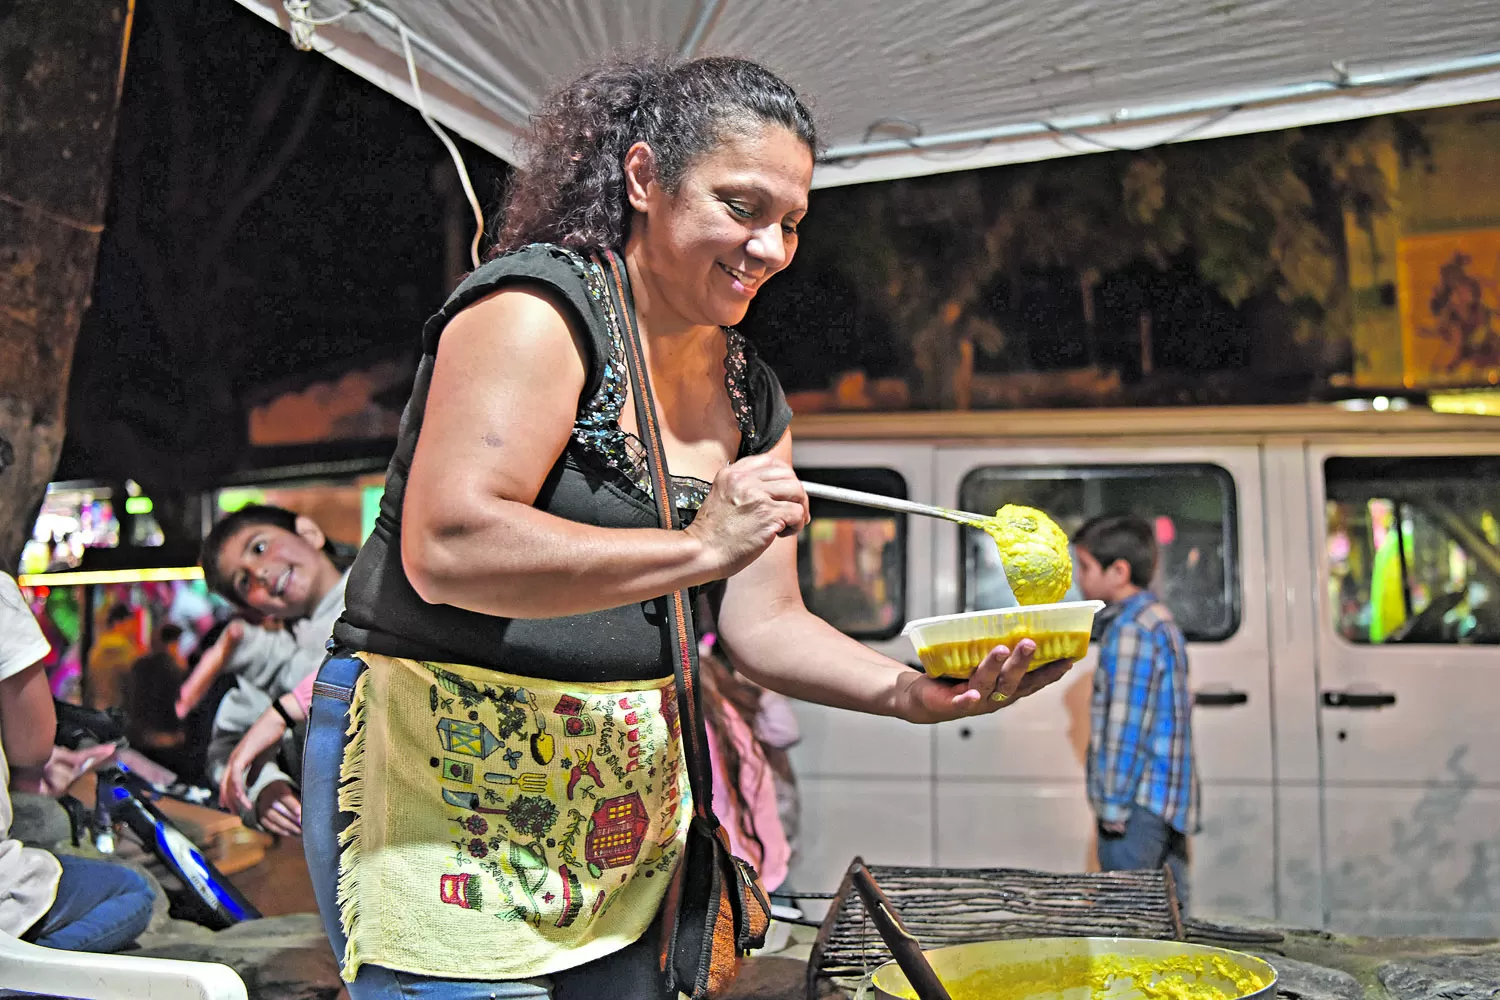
(86, 578)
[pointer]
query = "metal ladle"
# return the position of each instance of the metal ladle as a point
(904, 947)
(878, 502)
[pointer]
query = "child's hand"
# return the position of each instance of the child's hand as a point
(62, 769)
(233, 793)
(279, 810)
(257, 747)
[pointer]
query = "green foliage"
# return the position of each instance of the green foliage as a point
(1261, 216)
(1244, 208)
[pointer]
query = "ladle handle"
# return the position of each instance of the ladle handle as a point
(878, 502)
(905, 948)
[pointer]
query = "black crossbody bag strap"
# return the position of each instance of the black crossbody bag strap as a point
(679, 620)
(715, 908)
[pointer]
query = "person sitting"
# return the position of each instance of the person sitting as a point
(281, 567)
(745, 785)
(152, 725)
(64, 902)
(111, 657)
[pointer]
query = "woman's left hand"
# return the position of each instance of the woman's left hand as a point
(1004, 678)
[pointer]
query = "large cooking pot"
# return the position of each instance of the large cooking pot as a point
(1079, 969)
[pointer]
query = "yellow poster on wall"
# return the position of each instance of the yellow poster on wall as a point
(1449, 286)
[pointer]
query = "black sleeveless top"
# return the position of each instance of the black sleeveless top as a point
(600, 478)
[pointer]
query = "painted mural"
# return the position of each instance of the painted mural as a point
(1449, 291)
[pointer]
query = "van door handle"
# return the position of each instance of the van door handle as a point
(1358, 699)
(1219, 699)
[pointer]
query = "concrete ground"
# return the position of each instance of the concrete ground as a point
(286, 956)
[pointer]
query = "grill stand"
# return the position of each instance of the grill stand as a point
(948, 906)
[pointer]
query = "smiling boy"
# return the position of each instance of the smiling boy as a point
(281, 566)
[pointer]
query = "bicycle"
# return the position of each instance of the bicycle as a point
(125, 798)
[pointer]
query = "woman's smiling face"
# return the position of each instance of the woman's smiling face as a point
(730, 225)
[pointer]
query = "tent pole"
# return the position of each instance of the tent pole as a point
(706, 17)
(1130, 116)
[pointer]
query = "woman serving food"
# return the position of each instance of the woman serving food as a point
(495, 800)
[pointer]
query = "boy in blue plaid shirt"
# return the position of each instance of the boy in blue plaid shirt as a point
(1142, 782)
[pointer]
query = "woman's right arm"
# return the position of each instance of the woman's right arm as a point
(503, 399)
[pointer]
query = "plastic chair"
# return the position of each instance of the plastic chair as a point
(30, 968)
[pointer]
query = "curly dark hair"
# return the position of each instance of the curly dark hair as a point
(570, 187)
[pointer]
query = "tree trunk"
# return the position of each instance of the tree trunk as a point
(1148, 350)
(1088, 280)
(61, 68)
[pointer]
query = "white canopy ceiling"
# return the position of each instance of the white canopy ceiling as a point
(909, 87)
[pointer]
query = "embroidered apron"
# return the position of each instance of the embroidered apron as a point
(505, 827)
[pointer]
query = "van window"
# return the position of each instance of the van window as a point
(1192, 507)
(851, 561)
(1413, 549)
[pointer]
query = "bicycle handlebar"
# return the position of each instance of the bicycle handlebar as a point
(78, 726)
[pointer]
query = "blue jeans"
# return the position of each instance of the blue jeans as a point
(629, 974)
(1149, 842)
(100, 907)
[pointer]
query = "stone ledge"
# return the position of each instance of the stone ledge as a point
(279, 958)
(288, 958)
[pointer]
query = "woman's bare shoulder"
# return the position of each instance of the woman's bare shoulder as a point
(526, 325)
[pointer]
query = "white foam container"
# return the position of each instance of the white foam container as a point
(779, 934)
(1063, 628)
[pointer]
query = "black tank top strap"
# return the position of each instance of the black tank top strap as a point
(565, 274)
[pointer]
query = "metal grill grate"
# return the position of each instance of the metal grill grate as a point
(947, 906)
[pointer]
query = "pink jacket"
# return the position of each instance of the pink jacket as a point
(303, 693)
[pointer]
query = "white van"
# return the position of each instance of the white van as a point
(1347, 784)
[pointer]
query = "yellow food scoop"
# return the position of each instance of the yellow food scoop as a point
(1033, 550)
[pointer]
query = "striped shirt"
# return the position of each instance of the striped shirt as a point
(1141, 743)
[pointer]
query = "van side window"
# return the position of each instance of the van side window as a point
(1413, 549)
(1191, 505)
(851, 561)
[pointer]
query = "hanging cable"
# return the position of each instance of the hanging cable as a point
(1178, 136)
(458, 160)
(304, 25)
